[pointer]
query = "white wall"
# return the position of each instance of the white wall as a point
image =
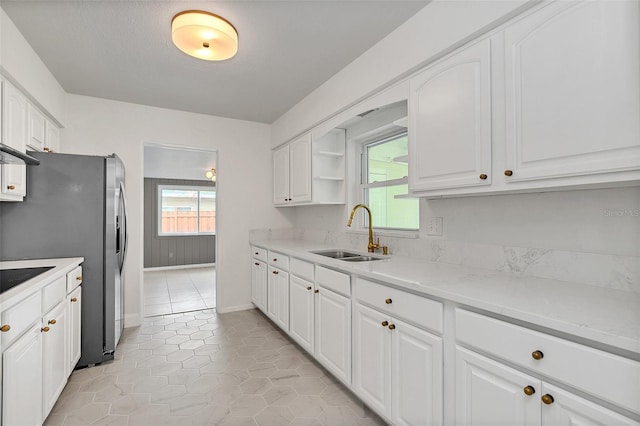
(432, 32)
(98, 126)
(20, 64)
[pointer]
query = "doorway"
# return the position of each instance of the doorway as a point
(180, 203)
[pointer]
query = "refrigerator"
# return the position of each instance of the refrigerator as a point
(76, 206)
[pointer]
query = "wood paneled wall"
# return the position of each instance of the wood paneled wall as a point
(172, 251)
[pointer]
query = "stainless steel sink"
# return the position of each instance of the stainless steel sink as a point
(336, 254)
(346, 256)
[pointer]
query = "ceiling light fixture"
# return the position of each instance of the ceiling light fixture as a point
(204, 35)
(211, 174)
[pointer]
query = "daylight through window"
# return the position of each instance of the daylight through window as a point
(186, 210)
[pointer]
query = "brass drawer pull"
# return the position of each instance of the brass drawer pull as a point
(275, 272)
(44, 329)
(257, 264)
(529, 390)
(508, 172)
(483, 176)
(79, 278)
(11, 187)
(75, 299)
(547, 399)
(5, 328)
(52, 322)
(316, 291)
(537, 355)
(385, 323)
(308, 288)
(388, 301)
(392, 326)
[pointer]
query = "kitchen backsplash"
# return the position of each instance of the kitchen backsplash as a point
(602, 270)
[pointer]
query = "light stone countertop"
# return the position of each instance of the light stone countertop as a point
(19, 292)
(602, 315)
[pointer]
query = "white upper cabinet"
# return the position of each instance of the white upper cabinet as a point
(450, 121)
(572, 86)
(281, 175)
(37, 129)
(14, 133)
(300, 169)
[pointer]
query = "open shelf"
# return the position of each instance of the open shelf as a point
(328, 178)
(330, 154)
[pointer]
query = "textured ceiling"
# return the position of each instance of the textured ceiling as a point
(122, 50)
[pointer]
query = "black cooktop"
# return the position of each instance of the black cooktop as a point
(10, 278)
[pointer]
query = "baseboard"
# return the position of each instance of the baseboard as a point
(234, 308)
(166, 268)
(132, 320)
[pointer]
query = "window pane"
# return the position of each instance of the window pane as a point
(390, 212)
(385, 160)
(179, 211)
(207, 211)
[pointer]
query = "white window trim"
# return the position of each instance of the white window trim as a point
(355, 190)
(181, 188)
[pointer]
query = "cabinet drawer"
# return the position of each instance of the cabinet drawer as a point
(278, 260)
(302, 269)
(20, 316)
(609, 377)
(419, 310)
(259, 253)
(54, 293)
(74, 279)
(333, 280)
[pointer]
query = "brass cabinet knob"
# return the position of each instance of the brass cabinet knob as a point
(79, 278)
(46, 149)
(74, 299)
(45, 329)
(256, 253)
(5, 328)
(256, 263)
(385, 323)
(483, 176)
(11, 187)
(388, 301)
(537, 355)
(309, 288)
(275, 259)
(52, 322)
(547, 399)
(529, 390)
(508, 172)
(392, 326)
(275, 272)
(316, 291)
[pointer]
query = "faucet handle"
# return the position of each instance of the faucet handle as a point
(385, 250)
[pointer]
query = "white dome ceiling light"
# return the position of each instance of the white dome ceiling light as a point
(204, 35)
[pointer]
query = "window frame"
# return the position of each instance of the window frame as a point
(361, 183)
(198, 189)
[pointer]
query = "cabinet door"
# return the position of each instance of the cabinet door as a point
(272, 291)
(74, 300)
(22, 380)
(301, 312)
(259, 285)
(450, 122)
(372, 358)
(14, 128)
(55, 354)
(492, 394)
(333, 333)
(282, 300)
(568, 409)
(300, 169)
(572, 84)
(281, 175)
(52, 139)
(37, 129)
(417, 376)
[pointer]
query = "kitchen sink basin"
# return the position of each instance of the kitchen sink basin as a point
(346, 256)
(336, 254)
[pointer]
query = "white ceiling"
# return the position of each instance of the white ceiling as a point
(177, 163)
(122, 50)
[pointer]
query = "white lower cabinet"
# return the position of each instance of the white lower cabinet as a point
(491, 393)
(278, 297)
(397, 368)
(55, 350)
(333, 332)
(259, 284)
(22, 380)
(301, 312)
(74, 303)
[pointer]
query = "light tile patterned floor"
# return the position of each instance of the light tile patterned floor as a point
(203, 368)
(179, 290)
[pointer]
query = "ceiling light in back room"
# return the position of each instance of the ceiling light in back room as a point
(204, 35)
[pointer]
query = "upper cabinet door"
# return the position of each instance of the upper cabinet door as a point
(14, 134)
(37, 129)
(281, 175)
(450, 122)
(300, 170)
(572, 90)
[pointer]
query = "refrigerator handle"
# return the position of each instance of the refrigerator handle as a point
(123, 227)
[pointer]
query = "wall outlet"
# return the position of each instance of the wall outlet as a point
(435, 226)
